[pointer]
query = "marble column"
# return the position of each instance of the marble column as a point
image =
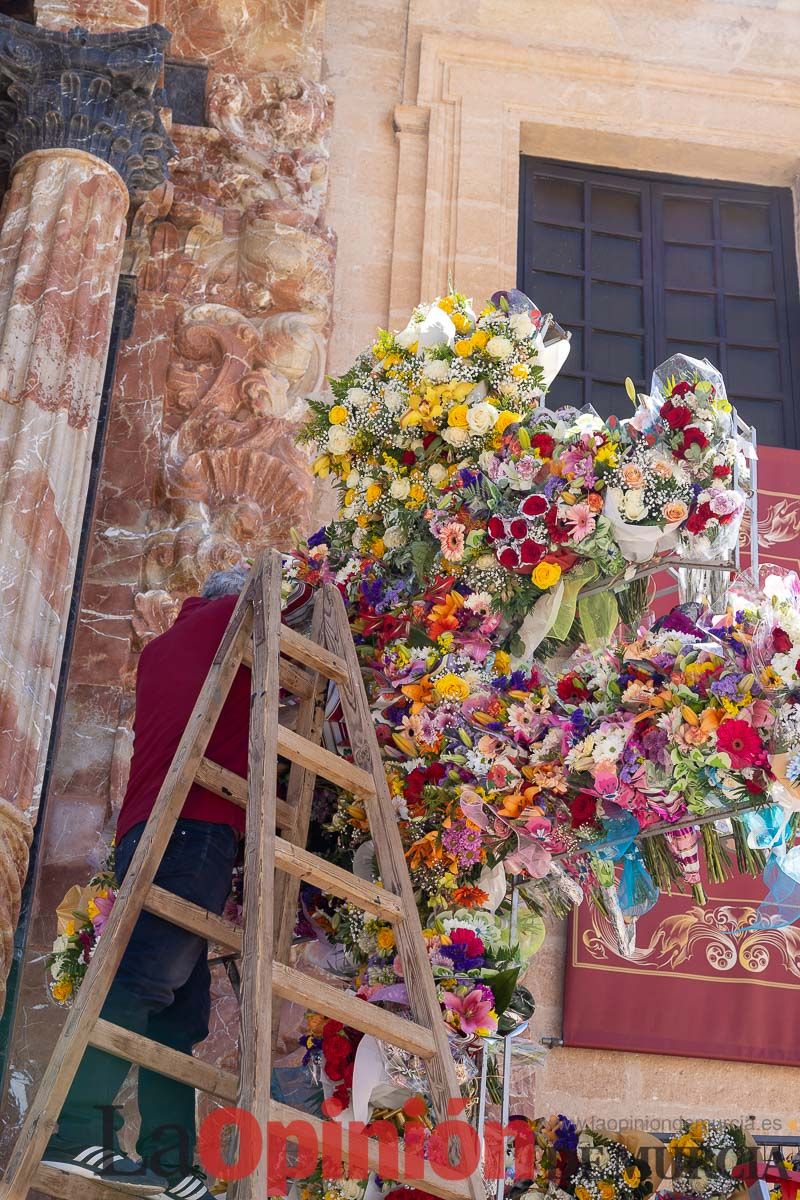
(81, 131)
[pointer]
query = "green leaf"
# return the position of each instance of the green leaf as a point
(502, 985)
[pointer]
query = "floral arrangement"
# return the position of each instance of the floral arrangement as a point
(81, 917)
(473, 522)
(704, 1154)
(608, 1170)
(449, 468)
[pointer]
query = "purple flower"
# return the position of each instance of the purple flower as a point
(464, 842)
(320, 538)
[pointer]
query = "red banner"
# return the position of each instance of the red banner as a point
(694, 985)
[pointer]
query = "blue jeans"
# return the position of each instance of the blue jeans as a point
(161, 990)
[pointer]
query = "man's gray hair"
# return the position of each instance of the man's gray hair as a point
(224, 583)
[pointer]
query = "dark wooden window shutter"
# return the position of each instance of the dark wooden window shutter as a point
(639, 267)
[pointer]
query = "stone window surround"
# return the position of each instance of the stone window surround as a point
(481, 104)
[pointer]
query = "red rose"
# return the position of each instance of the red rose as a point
(781, 641)
(721, 471)
(508, 558)
(531, 551)
(583, 809)
(428, 439)
(497, 528)
(533, 505)
(518, 527)
(544, 443)
(409, 458)
(699, 518)
(691, 437)
(682, 389)
(677, 416)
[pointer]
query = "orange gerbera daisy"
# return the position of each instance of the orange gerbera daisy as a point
(470, 897)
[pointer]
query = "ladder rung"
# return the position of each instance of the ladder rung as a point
(292, 984)
(430, 1181)
(292, 679)
(337, 882)
(233, 787)
(323, 998)
(66, 1186)
(311, 654)
(164, 1060)
(190, 916)
(322, 762)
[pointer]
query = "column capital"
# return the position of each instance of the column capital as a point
(96, 92)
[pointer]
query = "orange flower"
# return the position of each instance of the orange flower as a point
(469, 897)
(513, 805)
(425, 851)
(419, 694)
(442, 616)
(595, 502)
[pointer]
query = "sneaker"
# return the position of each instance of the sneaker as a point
(107, 1166)
(193, 1186)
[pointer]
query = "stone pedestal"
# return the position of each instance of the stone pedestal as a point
(84, 131)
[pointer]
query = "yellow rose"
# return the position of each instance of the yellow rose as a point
(504, 419)
(632, 1175)
(463, 347)
(447, 304)
(349, 497)
(581, 1193)
(520, 371)
(451, 687)
(337, 415)
(546, 574)
(502, 663)
(457, 416)
(699, 1129)
(69, 928)
(479, 339)
(385, 939)
(378, 548)
(62, 990)
(417, 493)
(373, 492)
(606, 1189)
(461, 322)
(362, 521)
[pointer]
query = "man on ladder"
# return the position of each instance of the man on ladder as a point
(162, 987)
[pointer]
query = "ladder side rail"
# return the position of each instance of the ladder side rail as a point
(55, 1083)
(390, 854)
(299, 798)
(255, 1038)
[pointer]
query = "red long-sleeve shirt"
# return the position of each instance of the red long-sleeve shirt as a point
(171, 672)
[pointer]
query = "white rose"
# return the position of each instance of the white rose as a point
(486, 459)
(358, 397)
(521, 324)
(399, 489)
(352, 479)
(393, 537)
(437, 473)
(437, 369)
(481, 417)
(358, 537)
(499, 347)
(339, 440)
(633, 505)
(455, 436)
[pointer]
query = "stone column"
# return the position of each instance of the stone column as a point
(81, 129)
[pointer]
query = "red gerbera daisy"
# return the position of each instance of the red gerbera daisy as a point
(740, 742)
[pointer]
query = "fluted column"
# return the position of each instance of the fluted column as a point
(82, 129)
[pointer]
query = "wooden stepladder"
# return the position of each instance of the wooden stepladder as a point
(276, 860)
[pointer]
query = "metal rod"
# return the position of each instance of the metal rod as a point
(719, 814)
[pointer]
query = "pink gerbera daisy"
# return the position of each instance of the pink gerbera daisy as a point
(451, 539)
